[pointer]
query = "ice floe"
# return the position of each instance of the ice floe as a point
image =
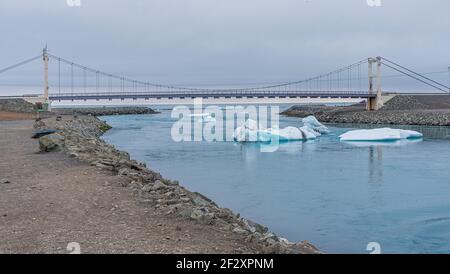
(313, 124)
(379, 134)
(250, 131)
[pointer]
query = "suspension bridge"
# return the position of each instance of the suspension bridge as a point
(356, 82)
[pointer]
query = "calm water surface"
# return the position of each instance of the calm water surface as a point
(338, 196)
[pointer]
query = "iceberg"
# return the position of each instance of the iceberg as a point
(308, 133)
(379, 134)
(285, 134)
(313, 124)
(250, 131)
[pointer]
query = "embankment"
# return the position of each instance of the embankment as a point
(16, 105)
(430, 110)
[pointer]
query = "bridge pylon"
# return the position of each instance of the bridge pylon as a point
(375, 103)
(45, 57)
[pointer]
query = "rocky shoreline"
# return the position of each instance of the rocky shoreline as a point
(104, 111)
(401, 110)
(16, 105)
(81, 139)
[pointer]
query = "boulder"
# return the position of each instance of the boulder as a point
(201, 200)
(39, 124)
(159, 185)
(254, 227)
(51, 142)
(147, 188)
(203, 216)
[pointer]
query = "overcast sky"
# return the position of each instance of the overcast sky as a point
(199, 42)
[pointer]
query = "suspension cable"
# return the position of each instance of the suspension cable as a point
(20, 63)
(414, 77)
(431, 80)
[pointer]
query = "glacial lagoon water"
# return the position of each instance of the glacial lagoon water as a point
(339, 196)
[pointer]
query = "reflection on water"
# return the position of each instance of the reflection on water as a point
(375, 175)
(340, 196)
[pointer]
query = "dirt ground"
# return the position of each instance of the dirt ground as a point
(12, 116)
(52, 200)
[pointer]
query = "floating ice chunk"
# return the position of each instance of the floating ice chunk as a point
(410, 134)
(248, 132)
(285, 134)
(312, 123)
(379, 134)
(308, 133)
(291, 134)
(251, 125)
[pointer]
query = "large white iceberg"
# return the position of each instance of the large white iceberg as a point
(379, 134)
(250, 131)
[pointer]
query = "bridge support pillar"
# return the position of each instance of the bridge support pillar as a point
(375, 103)
(46, 102)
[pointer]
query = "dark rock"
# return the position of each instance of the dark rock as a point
(202, 215)
(5, 181)
(255, 227)
(201, 200)
(51, 142)
(240, 231)
(147, 188)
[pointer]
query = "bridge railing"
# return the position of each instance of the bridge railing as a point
(211, 93)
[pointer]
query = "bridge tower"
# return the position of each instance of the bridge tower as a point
(375, 103)
(46, 103)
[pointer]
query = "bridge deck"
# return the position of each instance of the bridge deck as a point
(170, 95)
